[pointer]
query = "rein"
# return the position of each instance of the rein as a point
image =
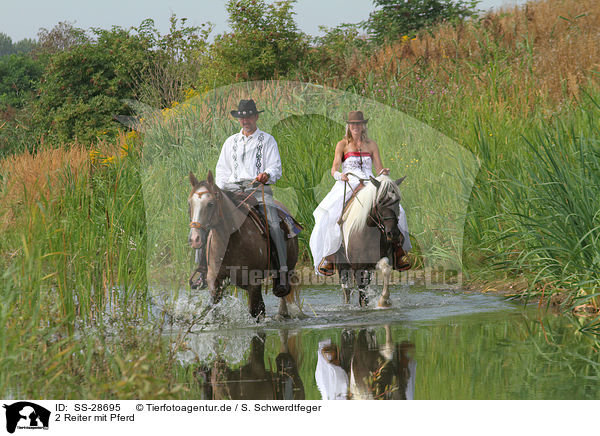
(346, 184)
(379, 218)
(250, 195)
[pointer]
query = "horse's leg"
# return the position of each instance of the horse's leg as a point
(215, 286)
(362, 278)
(293, 303)
(256, 305)
(345, 276)
(387, 350)
(283, 310)
(386, 271)
(345, 281)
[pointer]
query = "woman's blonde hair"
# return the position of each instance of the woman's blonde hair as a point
(364, 137)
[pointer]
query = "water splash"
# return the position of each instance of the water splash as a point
(206, 347)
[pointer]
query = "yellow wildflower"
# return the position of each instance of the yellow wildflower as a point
(108, 160)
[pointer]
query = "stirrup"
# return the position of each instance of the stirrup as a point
(399, 263)
(326, 268)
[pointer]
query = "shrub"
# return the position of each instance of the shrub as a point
(179, 57)
(19, 78)
(397, 18)
(264, 43)
(83, 88)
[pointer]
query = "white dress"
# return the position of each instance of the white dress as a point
(326, 237)
(331, 379)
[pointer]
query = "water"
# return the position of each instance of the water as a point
(432, 344)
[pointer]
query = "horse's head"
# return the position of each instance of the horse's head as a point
(203, 209)
(384, 212)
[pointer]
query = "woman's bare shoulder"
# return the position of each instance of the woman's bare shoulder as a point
(372, 146)
(341, 145)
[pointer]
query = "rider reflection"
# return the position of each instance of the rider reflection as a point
(360, 369)
(254, 381)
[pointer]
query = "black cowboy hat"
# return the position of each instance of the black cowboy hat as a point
(246, 108)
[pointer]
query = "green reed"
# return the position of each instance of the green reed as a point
(555, 208)
(73, 299)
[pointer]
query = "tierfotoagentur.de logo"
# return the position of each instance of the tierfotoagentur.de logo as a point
(26, 415)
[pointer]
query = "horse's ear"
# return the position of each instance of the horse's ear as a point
(209, 178)
(193, 180)
(400, 180)
(375, 181)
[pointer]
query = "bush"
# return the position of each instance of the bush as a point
(61, 37)
(179, 58)
(264, 43)
(83, 87)
(19, 78)
(398, 18)
(333, 54)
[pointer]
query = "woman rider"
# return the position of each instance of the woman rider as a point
(357, 154)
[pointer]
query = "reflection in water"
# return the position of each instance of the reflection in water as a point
(469, 346)
(253, 380)
(360, 369)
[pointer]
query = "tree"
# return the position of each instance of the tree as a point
(19, 78)
(61, 37)
(83, 88)
(25, 45)
(264, 43)
(397, 18)
(179, 58)
(6, 45)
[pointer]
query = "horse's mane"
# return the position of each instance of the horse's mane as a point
(356, 215)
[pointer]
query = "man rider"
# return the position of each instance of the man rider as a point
(249, 156)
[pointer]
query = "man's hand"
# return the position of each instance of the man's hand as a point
(262, 178)
(345, 177)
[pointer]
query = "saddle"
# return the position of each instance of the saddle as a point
(256, 211)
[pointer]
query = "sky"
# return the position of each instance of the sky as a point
(23, 18)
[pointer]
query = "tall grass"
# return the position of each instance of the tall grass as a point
(73, 294)
(553, 209)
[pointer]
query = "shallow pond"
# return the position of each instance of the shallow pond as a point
(432, 344)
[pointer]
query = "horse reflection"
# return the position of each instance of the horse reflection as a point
(359, 369)
(254, 381)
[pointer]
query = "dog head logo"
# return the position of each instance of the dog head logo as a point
(26, 415)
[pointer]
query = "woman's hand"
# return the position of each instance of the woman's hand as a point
(384, 171)
(345, 177)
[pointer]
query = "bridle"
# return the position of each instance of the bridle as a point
(379, 219)
(209, 225)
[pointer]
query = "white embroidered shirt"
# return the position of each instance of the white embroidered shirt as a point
(244, 158)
